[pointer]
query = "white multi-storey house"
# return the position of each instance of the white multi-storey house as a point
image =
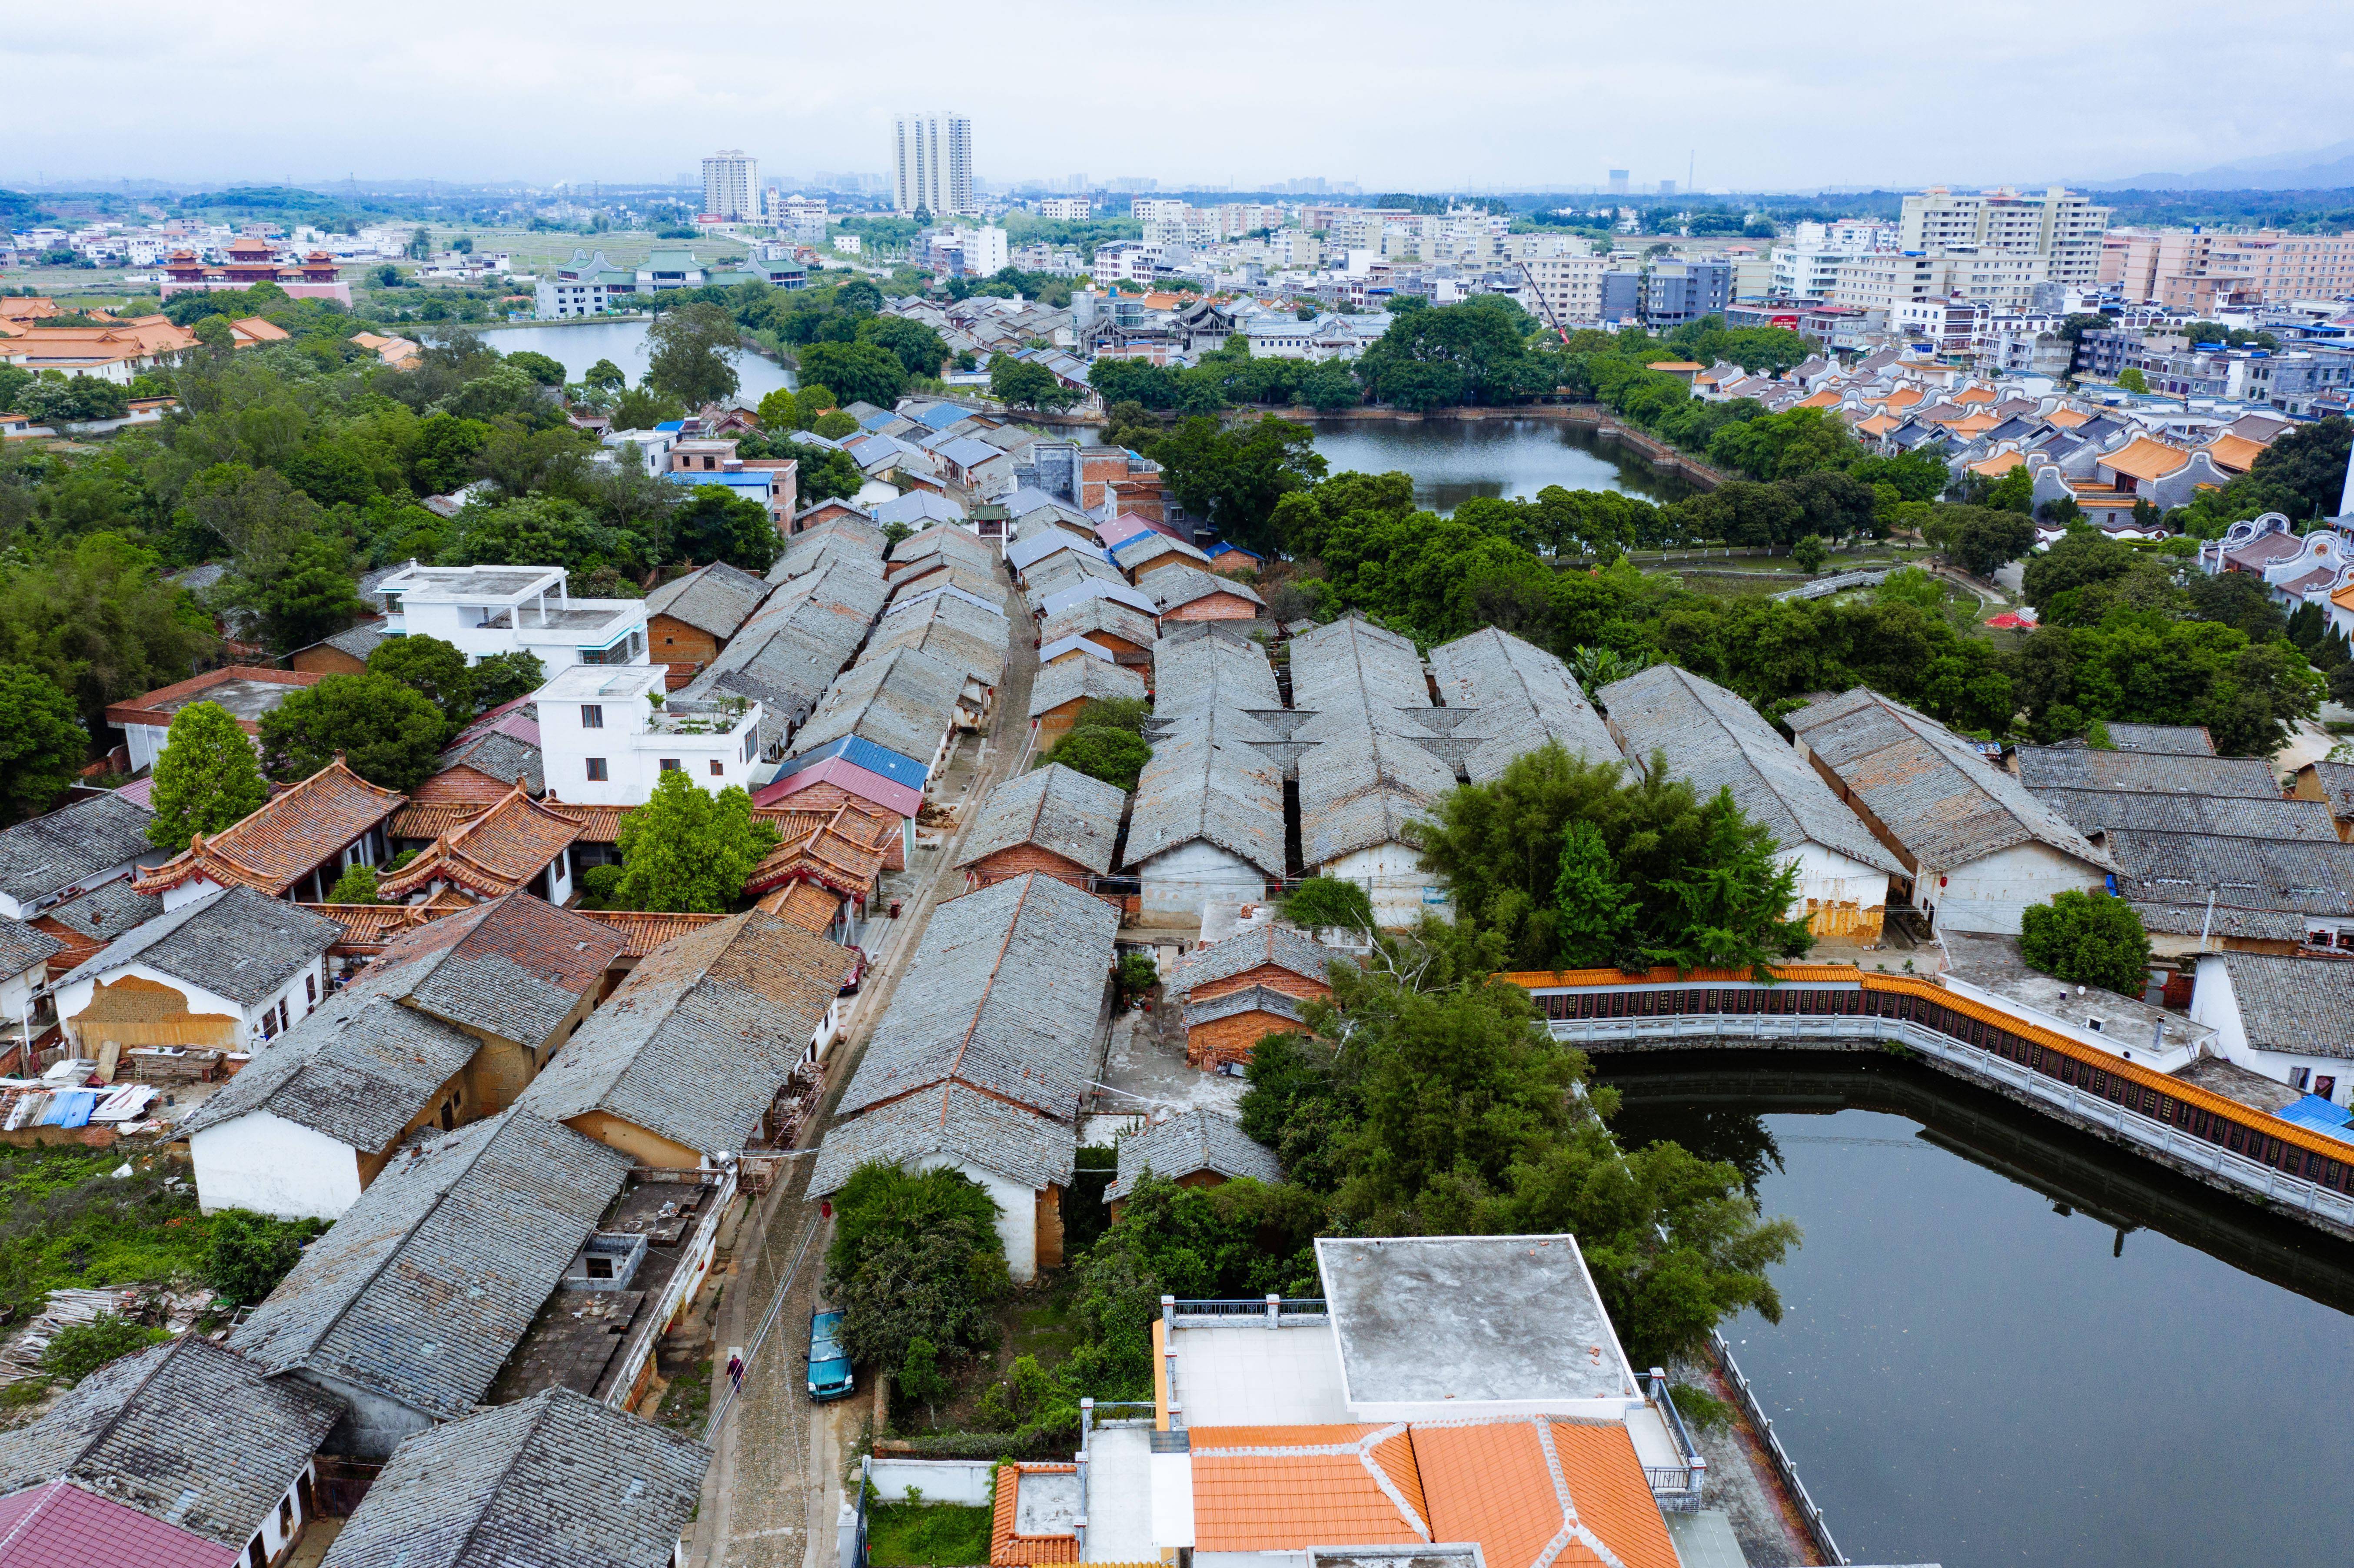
(482, 610)
(607, 735)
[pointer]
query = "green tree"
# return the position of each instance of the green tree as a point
(717, 524)
(356, 886)
(916, 346)
(1323, 901)
(1023, 385)
(605, 378)
(95, 617)
(80, 1348)
(862, 372)
(692, 355)
(2090, 938)
(390, 733)
(834, 425)
(642, 408)
(827, 473)
(250, 1254)
(1809, 553)
(207, 777)
(688, 850)
(443, 455)
(296, 592)
(543, 371)
(2131, 379)
(1115, 756)
(1981, 539)
(433, 668)
(41, 745)
(1595, 908)
(504, 677)
(915, 1256)
(1237, 477)
(2308, 460)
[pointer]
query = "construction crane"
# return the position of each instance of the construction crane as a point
(1542, 304)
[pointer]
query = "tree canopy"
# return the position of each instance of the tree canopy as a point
(41, 745)
(207, 777)
(388, 733)
(2087, 937)
(688, 850)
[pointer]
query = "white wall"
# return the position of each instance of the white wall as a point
(1828, 877)
(965, 1482)
(16, 909)
(634, 753)
(300, 1001)
(274, 1541)
(2213, 1004)
(1393, 877)
(1178, 882)
(1017, 1212)
(1988, 894)
(273, 1166)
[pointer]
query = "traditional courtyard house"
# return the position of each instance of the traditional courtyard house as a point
(901, 699)
(1976, 846)
(967, 636)
(1193, 1149)
(2291, 1019)
(222, 973)
(681, 1066)
(842, 849)
(1521, 696)
(408, 1309)
(2331, 783)
(787, 654)
(130, 1465)
(689, 620)
(848, 770)
(516, 843)
(1145, 554)
(480, 766)
(26, 953)
(245, 692)
(1713, 741)
(448, 1024)
(946, 539)
(1054, 821)
(294, 846)
(980, 1062)
(557, 1480)
(1188, 593)
(1061, 690)
(1250, 985)
(1127, 635)
(1207, 823)
(49, 861)
(86, 923)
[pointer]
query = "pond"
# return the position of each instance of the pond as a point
(2004, 1343)
(624, 343)
(1454, 460)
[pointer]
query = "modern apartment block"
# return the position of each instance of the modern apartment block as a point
(1066, 209)
(1806, 266)
(1570, 286)
(2063, 229)
(1676, 292)
(731, 186)
(2194, 270)
(931, 163)
(1883, 281)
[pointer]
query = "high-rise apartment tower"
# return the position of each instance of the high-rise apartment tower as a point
(731, 185)
(931, 163)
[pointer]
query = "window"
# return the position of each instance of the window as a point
(592, 716)
(596, 770)
(600, 1268)
(2300, 1078)
(311, 989)
(751, 743)
(718, 768)
(669, 765)
(285, 1516)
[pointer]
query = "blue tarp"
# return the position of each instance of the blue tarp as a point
(70, 1108)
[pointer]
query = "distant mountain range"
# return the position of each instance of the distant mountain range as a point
(2315, 169)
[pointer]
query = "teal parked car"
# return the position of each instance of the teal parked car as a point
(829, 1363)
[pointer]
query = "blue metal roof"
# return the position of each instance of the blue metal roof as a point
(672, 425)
(2320, 1115)
(859, 752)
(940, 416)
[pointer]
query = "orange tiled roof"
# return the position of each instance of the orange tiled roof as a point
(1286, 1496)
(602, 824)
(1973, 423)
(1902, 398)
(1877, 425)
(642, 931)
(1540, 979)
(1826, 399)
(1998, 465)
(2067, 419)
(2344, 597)
(492, 853)
(368, 927)
(285, 839)
(2234, 452)
(805, 905)
(845, 851)
(1974, 395)
(432, 819)
(255, 329)
(1007, 1550)
(2145, 459)
(1677, 367)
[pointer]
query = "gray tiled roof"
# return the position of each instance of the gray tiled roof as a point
(695, 1044)
(1250, 999)
(1356, 671)
(1056, 808)
(427, 1285)
(1004, 994)
(1247, 950)
(1206, 781)
(826, 549)
(359, 1070)
(1014, 1140)
(2168, 739)
(2283, 877)
(359, 641)
(1716, 741)
(1103, 615)
(952, 630)
(1074, 680)
(71, 844)
(2081, 767)
(495, 754)
(715, 598)
(2305, 1005)
(1524, 697)
(2337, 781)
(557, 1480)
(236, 943)
(106, 910)
(1941, 800)
(514, 967)
(1189, 1142)
(2230, 816)
(188, 1432)
(787, 654)
(22, 947)
(895, 697)
(1175, 587)
(945, 538)
(946, 572)
(1193, 676)
(1364, 787)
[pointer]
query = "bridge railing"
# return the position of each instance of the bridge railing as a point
(2170, 1140)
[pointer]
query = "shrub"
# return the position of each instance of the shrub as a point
(1330, 901)
(251, 1253)
(356, 886)
(2088, 937)
(1115, 756)
(80, 1348)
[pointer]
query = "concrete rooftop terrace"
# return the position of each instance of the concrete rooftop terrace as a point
(244, 699)
(1470, 1325)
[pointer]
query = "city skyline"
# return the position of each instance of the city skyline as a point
(1557, 108)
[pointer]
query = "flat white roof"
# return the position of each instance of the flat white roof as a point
(593, 683)
(474, 585)
(1257, 1376)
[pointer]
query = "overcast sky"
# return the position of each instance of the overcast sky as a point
(1435, 94)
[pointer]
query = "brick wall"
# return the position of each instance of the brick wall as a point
(1055, 723)
(323, 660)
(1212, 1046)
(679, 645)
(1216, 607)
(1274, 977)
(1018, 859)
(1050, 1228)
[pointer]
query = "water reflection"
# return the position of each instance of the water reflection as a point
(2004, 1342)
(624, 343)
(1454, 460)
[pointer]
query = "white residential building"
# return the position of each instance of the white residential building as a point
(731, 185)
(482, 610)
(1066, 209)
(931, 164)
(1570, 286)
(604, 741)
(1883, 281)
(985, 248)
(2059, 228)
